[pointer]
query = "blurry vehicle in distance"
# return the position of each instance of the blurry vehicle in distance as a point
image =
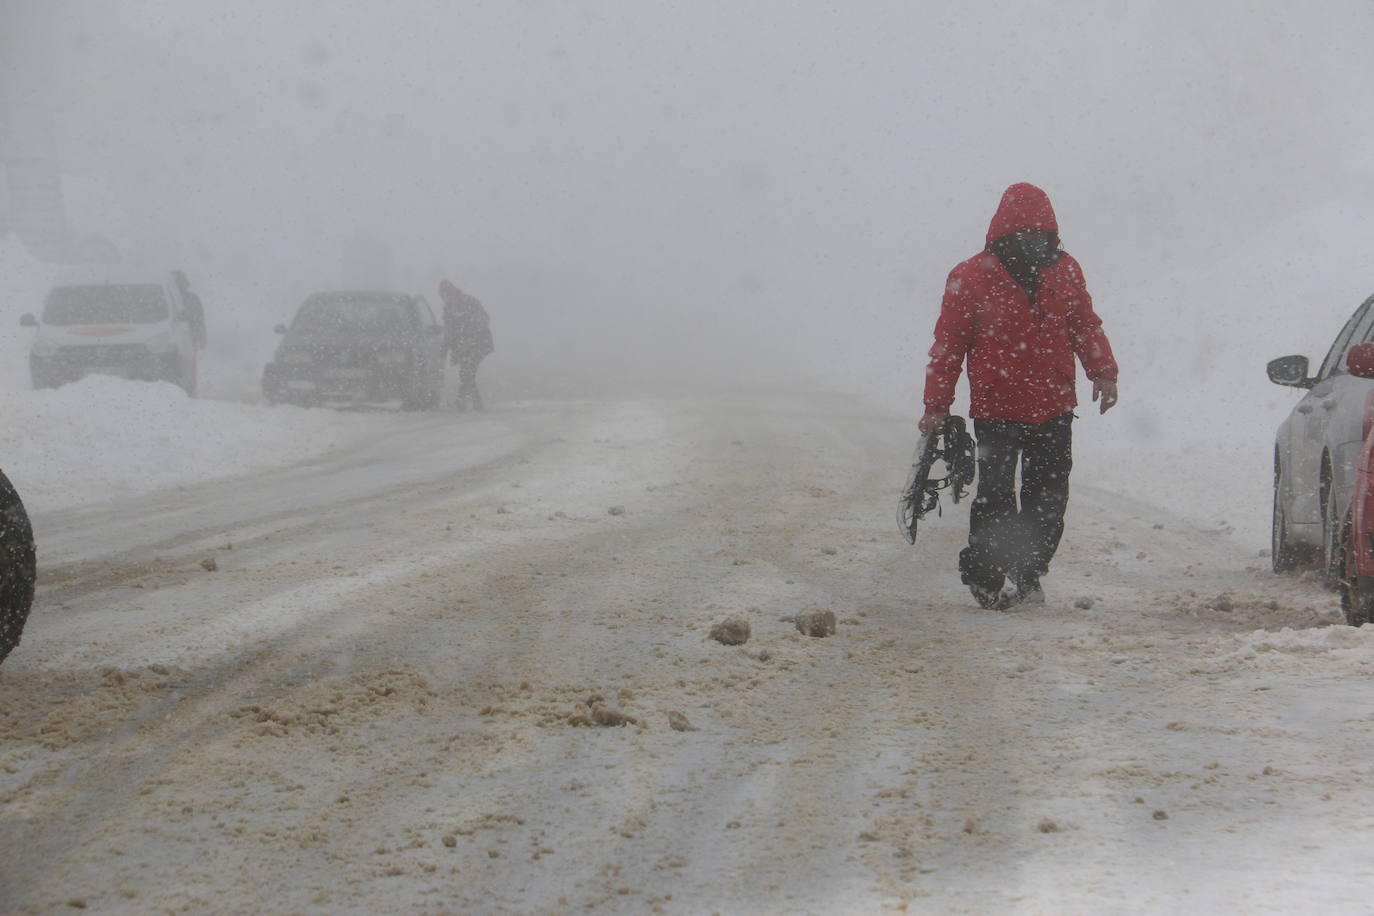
(359, 347)
(17, 567)
(1315, 451)
(97, 321)
(1357, 541)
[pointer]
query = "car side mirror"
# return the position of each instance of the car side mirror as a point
(280, 329)
(1290, 371)
(27, 320)
(1359, 359)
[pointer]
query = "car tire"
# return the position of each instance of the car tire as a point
(434, 397)
(422, 395)
(17, 567)
(1357, 601)
(187, 382)
(1284, 555)
(1357, 592)
(1333, 547)
(192, 377)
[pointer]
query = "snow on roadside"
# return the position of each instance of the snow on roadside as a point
(103, 437)
(1327, 652)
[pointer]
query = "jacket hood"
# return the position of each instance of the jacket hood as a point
(1023, 206)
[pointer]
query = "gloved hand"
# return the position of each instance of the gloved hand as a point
(931, 422)
(1104, 389)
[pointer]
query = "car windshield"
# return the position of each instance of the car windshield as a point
(122, 304)
(351, 314)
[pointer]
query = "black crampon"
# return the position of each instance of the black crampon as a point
(950, 445)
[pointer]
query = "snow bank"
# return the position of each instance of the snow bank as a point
(105, 437)
(1325, 652)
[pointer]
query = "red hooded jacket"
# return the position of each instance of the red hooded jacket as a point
(1020, 358)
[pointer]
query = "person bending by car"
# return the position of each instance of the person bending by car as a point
(195, 312)
(467, 333)
(1018, 312)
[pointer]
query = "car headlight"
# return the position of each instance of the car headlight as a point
(393, 357)
(296, 357)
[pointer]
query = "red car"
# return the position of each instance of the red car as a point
(1357, 580)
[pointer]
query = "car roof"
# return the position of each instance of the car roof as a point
(109, 275)
(362, 294)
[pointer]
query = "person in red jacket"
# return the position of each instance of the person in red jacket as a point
(1019, 313)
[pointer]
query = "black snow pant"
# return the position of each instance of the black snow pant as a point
(468, 395)
(1004, 539)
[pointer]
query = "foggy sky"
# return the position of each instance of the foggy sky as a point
(687, 187)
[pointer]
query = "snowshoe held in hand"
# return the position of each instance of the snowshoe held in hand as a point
(949, 448)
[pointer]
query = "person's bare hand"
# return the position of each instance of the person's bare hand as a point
(1104, 390)
(931, 422)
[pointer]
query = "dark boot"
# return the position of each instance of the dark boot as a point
(990, 599)
(983, 582)
(1028, 590)
(1024, 588)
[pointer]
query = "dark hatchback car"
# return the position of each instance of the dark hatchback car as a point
(359, 347)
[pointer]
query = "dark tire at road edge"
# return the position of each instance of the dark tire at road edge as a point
(1284, 554)
(423, 396)
(1357, 592)
(17, 567)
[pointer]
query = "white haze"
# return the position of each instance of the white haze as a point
(648, 194)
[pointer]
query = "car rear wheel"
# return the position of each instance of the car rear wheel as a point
(425, 394)
(187, 382)
(17, 567)
(1357, 601)
(44, 379)
(1284, 555)
(434, 397)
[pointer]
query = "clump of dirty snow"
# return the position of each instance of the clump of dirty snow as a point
(732, 631)
(815, 623)
(679, 722)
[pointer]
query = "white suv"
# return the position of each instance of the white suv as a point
(134, 326)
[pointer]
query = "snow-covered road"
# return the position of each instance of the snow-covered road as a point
(376, 699)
